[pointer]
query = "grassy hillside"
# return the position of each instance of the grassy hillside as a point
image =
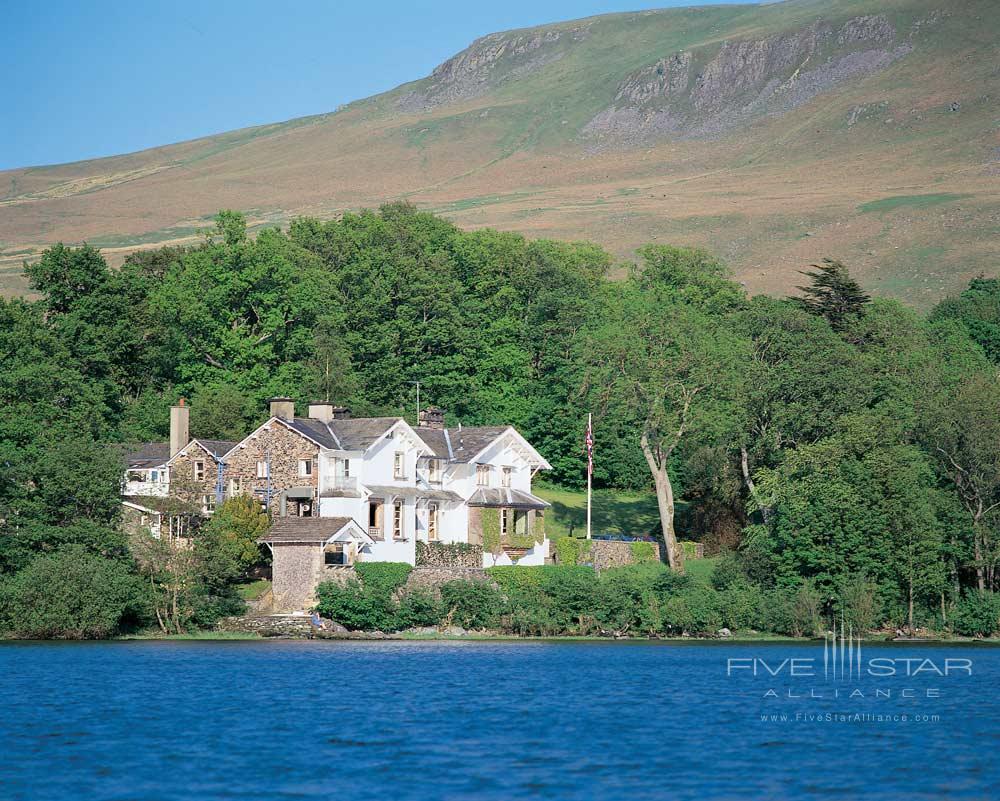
(613, 512)
(774, 135)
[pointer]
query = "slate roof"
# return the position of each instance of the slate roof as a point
(217, 447)
(466, 443)
(506, 497)
(386, 491)
(304, 529)
(349, 434)
(148, 454)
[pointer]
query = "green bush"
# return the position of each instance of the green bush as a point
(419, 607)
(572, 550)
(383, 578)
(643, 552)
(72, 594)
(472, 604)
(727, 572)
(977, 614)
(353, 606)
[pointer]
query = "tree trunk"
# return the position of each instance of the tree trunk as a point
(978, 553)
(665, 502)
(910, 615)
(765, 510)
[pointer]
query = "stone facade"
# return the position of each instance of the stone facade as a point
(475, 525)
(183, 482)
(296, 570)
(285, 449)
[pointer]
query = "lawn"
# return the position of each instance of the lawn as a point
(632, 513)
(254, 589)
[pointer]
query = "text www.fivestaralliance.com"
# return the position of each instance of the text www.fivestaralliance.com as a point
(858, 717)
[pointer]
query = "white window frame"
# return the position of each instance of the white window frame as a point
(198, 469)
(506, 475)
(504, 522)
(305, 468)
(434, 471)
(397, 520)
(484, 473)
(208, 502)
(399, 465)
(433, 511)
(262, 470)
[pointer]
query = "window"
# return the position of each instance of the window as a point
(482, 475)
(154, 476)
(505, 476)
(208, 503)
(434, 471)
(375, 518)
(399, 465)
(262, 470)
(235, 486)
(504, 517)
(199, 470)
(342, 467)
(305, 468)
(397, 520)
(432, 522)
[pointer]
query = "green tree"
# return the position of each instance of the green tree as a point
(233, 532)
(832, 293)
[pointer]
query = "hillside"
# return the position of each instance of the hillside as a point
(773, 135)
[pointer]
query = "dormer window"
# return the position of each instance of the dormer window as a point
(483, 475)
(399, 465)
(505, 476)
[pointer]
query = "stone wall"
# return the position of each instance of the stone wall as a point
(440, 554)
(295, 570)
(431, 578)
(610, 553)
(285, 448)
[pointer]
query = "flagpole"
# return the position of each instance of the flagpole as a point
(589, 471)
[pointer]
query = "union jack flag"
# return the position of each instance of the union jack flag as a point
(588, 444)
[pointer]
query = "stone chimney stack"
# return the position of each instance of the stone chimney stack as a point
(283, 408)
(321, 410)
(431, 417)
(341, 413)
(179, 426)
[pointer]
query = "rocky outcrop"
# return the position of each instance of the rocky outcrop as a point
(705, 93)
(490, 61)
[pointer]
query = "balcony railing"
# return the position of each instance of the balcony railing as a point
(344, 483)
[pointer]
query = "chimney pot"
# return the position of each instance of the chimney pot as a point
(431, 417)
(283, 408)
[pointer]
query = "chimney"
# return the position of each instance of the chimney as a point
(179, 428)
(283, 408)
(321, 410)
(341, 413)
(431, 417)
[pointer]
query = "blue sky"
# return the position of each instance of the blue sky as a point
(82, 80)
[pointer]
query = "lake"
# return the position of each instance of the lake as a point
(502, 720)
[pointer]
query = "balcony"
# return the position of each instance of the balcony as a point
(341, 486)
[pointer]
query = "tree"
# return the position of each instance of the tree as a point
(676, 362)
(977, 309)
(832, 293)
(71, 594)
(963, 428)
(233, 532)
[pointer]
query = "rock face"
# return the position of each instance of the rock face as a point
(705, 93)
(490, 61)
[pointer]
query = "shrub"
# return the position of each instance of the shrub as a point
(742, 606)
(72, 594)
(572, 550)
(472, 604)
(418, 607)
(383, 578)
(354, 607)
(859, 604)
(976, 614)
(626, 601)
(727, 572)
(644, 552)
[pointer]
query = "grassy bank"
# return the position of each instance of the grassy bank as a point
(613, 512)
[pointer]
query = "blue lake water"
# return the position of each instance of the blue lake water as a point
(467, 720)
